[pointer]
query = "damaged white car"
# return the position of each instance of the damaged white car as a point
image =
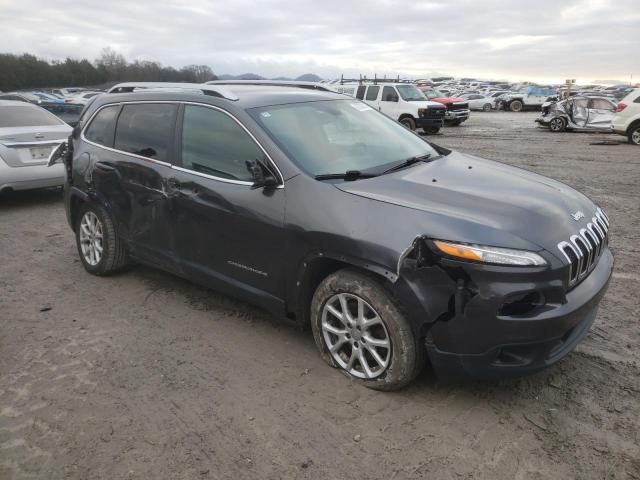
(578, 113)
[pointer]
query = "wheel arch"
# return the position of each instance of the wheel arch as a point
(318, 266)
(406, 115)
(633, 125)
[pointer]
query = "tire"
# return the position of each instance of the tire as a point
(455, 123)
(397, 365)
(114, 253)
(408, 122)
(634, 135)
(431, 130)
(557, 124)
(515, 106)
(486, 107)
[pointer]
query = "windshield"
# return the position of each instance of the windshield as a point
(339, 135)
(410, 93)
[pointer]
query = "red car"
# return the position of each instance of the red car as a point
(457, 108)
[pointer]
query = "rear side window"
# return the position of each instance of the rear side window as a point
(637, 100)
(372, 93)
(146, 129)
(214, 144)
(601, 104)
(26, 116)
(388, 93)
(360, 92)
(102, 126)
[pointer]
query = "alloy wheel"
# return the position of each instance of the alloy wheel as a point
(635, 136)
(91, 238)
(356, 336)
(556, 124)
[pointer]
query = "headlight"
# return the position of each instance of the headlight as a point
(495, 255)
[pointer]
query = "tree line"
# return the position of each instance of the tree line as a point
(21, 72)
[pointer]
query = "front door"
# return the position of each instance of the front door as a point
(229, 235)
(580, 112)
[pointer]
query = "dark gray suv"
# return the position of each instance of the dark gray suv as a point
(324, 211)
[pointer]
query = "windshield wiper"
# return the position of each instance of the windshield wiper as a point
(407, 162)
(349, 175)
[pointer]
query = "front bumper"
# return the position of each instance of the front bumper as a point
(484, 345)
(423, 122)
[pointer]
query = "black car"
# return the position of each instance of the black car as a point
(324, 211)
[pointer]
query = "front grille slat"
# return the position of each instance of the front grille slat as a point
(583, 249)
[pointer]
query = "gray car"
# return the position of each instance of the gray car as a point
(28, 135)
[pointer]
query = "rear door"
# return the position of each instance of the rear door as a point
(130, 167)
(601, 112)
(228, 234)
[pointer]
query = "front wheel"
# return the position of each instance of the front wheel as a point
(359, 330)
(557, 124)
(408, 122)
(431, 130)
(101, 251)
(486, 107)
(634, 135)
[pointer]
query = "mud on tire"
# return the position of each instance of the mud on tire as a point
(407, 353)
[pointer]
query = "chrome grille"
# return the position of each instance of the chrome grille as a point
(583, 249)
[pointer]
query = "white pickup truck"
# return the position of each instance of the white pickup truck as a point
(401, 101)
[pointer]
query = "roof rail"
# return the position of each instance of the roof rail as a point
(204, 88)
(273, 83)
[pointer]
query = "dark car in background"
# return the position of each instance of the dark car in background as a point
(324, 211)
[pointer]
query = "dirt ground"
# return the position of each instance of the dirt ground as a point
(146, 376)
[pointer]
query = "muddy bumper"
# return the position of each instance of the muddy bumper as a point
(483, 344)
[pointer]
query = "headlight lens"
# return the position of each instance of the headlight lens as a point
(495, 255)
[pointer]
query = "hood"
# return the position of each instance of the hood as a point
(486, 196)
(448, 100)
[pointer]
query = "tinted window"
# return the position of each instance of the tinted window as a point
(637, 100)
(360, 92)
(213, 143)
(372, 93)
(101, 128)
(26, 116)
(388, 93)
(146, 129)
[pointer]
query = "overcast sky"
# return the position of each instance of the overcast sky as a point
(544, 40)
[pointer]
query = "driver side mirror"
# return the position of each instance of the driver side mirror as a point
(262, 178)
(58, 154)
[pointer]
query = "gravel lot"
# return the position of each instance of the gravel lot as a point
(143, 375)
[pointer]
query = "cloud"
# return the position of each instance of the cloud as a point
(542, 40)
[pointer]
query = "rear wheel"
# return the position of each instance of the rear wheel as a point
(359, 330)
(557, 124)
(515, 106)
(431, 130)
(101, 250)
(486, 107)
(408, 122)
(634, 135)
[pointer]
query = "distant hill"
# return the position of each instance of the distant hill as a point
(308, 77)
(244, 76)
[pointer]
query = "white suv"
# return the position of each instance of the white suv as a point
(627, 119)
(401, 101)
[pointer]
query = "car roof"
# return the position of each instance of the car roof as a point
(238, 95)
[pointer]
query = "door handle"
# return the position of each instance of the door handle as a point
(105, 167)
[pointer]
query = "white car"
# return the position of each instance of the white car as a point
(627, 118)
(28, 135)
(84, 97)
(401, 101)
(479, 102)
